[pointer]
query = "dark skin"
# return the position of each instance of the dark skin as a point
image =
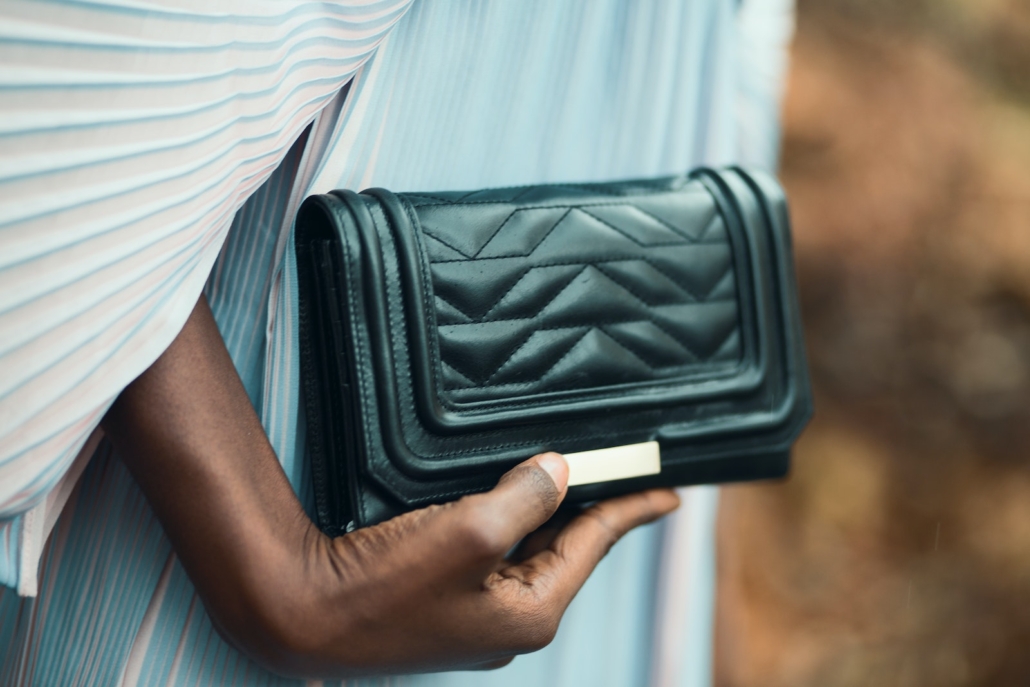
(429, 590)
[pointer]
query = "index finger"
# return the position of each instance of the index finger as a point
(560, 571)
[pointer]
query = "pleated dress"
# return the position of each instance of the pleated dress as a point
(151, 150)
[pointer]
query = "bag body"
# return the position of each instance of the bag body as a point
(648, 329)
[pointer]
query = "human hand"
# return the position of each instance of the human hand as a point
(434, 589)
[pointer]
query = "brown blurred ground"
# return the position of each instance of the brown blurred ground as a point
(899, 551)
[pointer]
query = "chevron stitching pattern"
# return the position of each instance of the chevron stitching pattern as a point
(714, 220)
(508, 219)
(563, 292)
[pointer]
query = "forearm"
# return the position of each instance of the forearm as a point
(190, 437)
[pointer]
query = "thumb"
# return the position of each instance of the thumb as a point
(490, 524)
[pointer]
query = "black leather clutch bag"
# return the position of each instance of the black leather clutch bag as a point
(649, 330)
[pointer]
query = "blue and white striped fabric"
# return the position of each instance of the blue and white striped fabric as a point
(131, 131)
(123, 224)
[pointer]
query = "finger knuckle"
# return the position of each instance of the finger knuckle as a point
(537, 621)
(500, 663)
(608, 533)
(541, 632)
(479, 535)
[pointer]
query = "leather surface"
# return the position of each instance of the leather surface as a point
(446, 336)
(555, 288)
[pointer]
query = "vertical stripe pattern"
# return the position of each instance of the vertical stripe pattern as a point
(461, 94)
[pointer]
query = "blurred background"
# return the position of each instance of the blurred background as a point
(898, 553)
